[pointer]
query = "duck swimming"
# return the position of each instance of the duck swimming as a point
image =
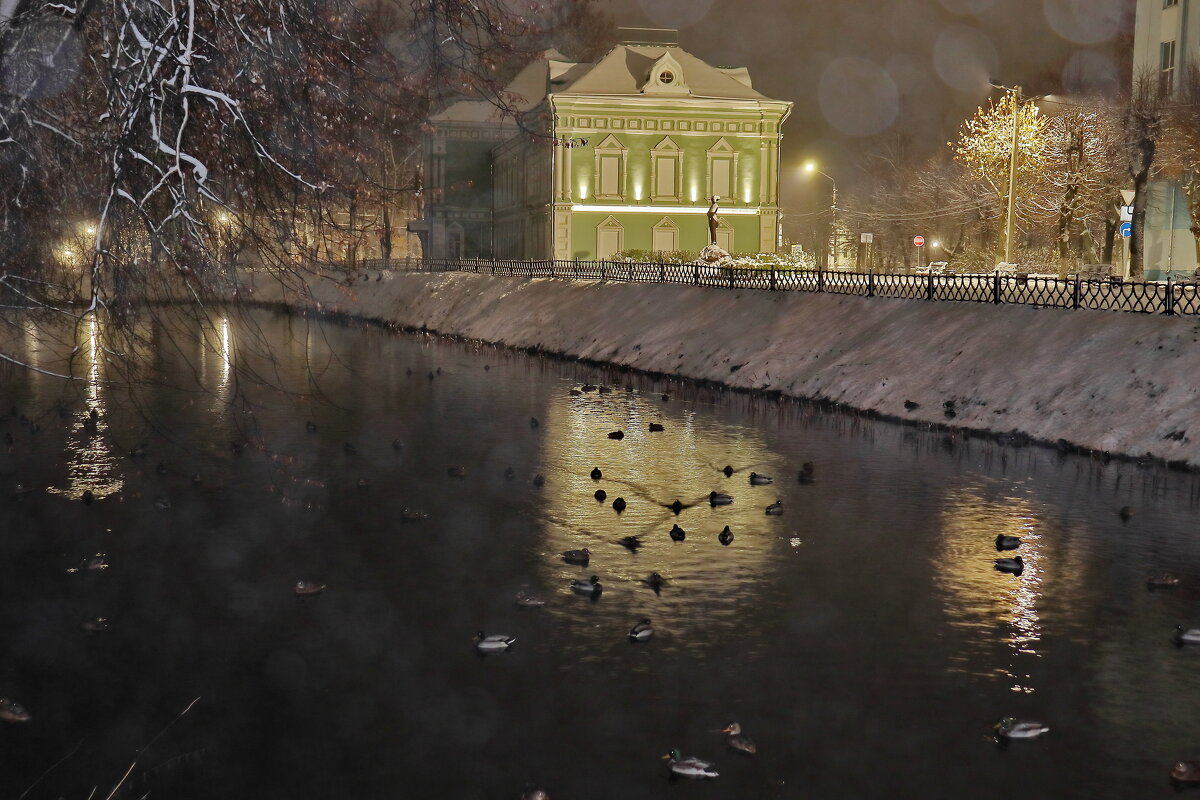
(739, 742)
(689, 767)
(631, 543)
(11, 711)
(727, 471)
(676, 507)
(580, 557)
(1007, 542)
(760, 480)
(642, 631)
(94, 625)
(655, 582)
(412, 515)
(493, 644)
(310, 426)
(1012, 728)
(596, 474)
(1161, 580)
(807, 473)
(619, 504)
(1013, 565)
(1188, 636)
(528, 601)
(456, 472)
(725, 536)
(600, 495)
(775, 509)
(617, 435)
(656, 427)
(719, 499)
(509, 473)
(539, 480)
(678, 534)
(1186, 771)
(590, 587)
(305, 588)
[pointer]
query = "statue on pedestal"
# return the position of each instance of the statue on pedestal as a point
(712, 219)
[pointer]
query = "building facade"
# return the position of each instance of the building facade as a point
(617, 155)
(1167, 44)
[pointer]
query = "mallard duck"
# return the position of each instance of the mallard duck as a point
(11, 711)
(656, 427)
(727, 471)
(1186, 771)
(605, 390)
(1187, 636)
(725, 537)
(596, 474)
(162, 503)
(619, 504)
(456, 472)
(94, 625)
(739, 742)
(1012, 728)
(533, 422)
(310, 426)
(631, 543)
(590, 587)
(539, 480)
(642, 631)
(528, 601)
(1013, 565)
(412, 515)
(535, 793)
(397, 445)
(775, 509)
(1007, 542)
(304, 588)
(676, 507)
(95, 563)
(616, 435)
(689, 767)
(600, 495)
(656, 581)
(666, 397)
(807, 473)
(87, 497)
(509, 473)
(760, 480)
(588, 387)
(677, 533)
(1161, 580)
(574, 393)
(719, 499)
(491, 644)
(580, 557)
(1125, 513)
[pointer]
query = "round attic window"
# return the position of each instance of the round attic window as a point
(666, 77)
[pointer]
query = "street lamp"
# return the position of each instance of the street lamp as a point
(811, 168)
(1010, 227)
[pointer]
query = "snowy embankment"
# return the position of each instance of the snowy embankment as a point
(1105, 381)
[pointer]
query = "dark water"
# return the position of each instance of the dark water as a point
(863, 638)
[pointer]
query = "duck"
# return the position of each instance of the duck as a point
(727, 471)
(911, 406)
(1012, 728)
(588, 387)
(656, 427)
(1125, 513)
(575, 393)
(88, 497)
(12, 711)
(580, 557)
(719, 499)
(600, 495)
(605, 390)
(524, 600)
(95, 563)
(1007, 542)
(535, 793)
(349, 448)
(94, 625)
(656, 581)
(494, 643)
(631, 543)
(642, 631)
(412, 515)
(725, 537)
(596, 474)
(619, 504)
(539, 480)
(616, 435)
(676, 507)
(1187, 636)
(456, 472)
(666, 397)
(310, 426)
(737, 740)
(363, 483)
(1161, 580)
(1013, 565)
(591, 586)
(1186, 771)
(677, 533)
(397, 445)
(775, 509)
(760, 480)
(533, 422)
(689, 767)
(305, 588)
(807, 473)
(509, 473)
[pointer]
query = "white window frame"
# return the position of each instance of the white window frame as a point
(722, 151)
(666, 150)
(665, 225)
(610, 224)
(611, 148)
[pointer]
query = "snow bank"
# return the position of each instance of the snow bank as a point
(1106, 381)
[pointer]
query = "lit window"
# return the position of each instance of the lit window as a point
(1167, 76)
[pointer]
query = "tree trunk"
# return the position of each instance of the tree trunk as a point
(1137, 243)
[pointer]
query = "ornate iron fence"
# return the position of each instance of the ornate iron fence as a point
(1168, 297)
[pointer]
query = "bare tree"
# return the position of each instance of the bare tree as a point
(1180, 151)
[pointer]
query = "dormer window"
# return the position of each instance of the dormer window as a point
(666, 77)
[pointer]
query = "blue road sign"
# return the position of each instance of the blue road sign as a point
(1126, 229)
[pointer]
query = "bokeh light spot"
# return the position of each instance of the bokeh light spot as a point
(858, 97)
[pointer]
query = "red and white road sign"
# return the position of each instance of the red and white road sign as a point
(918, 241)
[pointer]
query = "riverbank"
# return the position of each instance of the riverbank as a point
(1110, 382)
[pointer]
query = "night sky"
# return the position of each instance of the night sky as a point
(864, 71)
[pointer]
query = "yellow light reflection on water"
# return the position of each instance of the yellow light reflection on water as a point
(979, 598)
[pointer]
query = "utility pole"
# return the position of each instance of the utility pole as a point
(1012, 177)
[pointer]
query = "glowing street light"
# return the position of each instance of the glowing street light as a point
(811, 167)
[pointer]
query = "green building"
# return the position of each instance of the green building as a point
(620, 154)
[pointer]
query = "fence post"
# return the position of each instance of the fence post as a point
(695, 275)
(1170, 299)
(773, 287)
(603, 271)
(662, 272)
(996, 288)
(870, 284)
(929, 286)
(1077, 293)
(820, 279)
(629, 278)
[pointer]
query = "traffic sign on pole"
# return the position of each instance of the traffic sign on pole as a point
(866, 238)
(1126, 229)
(919, 241)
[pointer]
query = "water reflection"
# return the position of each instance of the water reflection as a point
(91, 463)
(977, 597)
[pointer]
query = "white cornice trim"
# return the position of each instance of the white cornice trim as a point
(613, 209)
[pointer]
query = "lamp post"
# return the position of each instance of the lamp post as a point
(811, 168)
(1011, 223)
